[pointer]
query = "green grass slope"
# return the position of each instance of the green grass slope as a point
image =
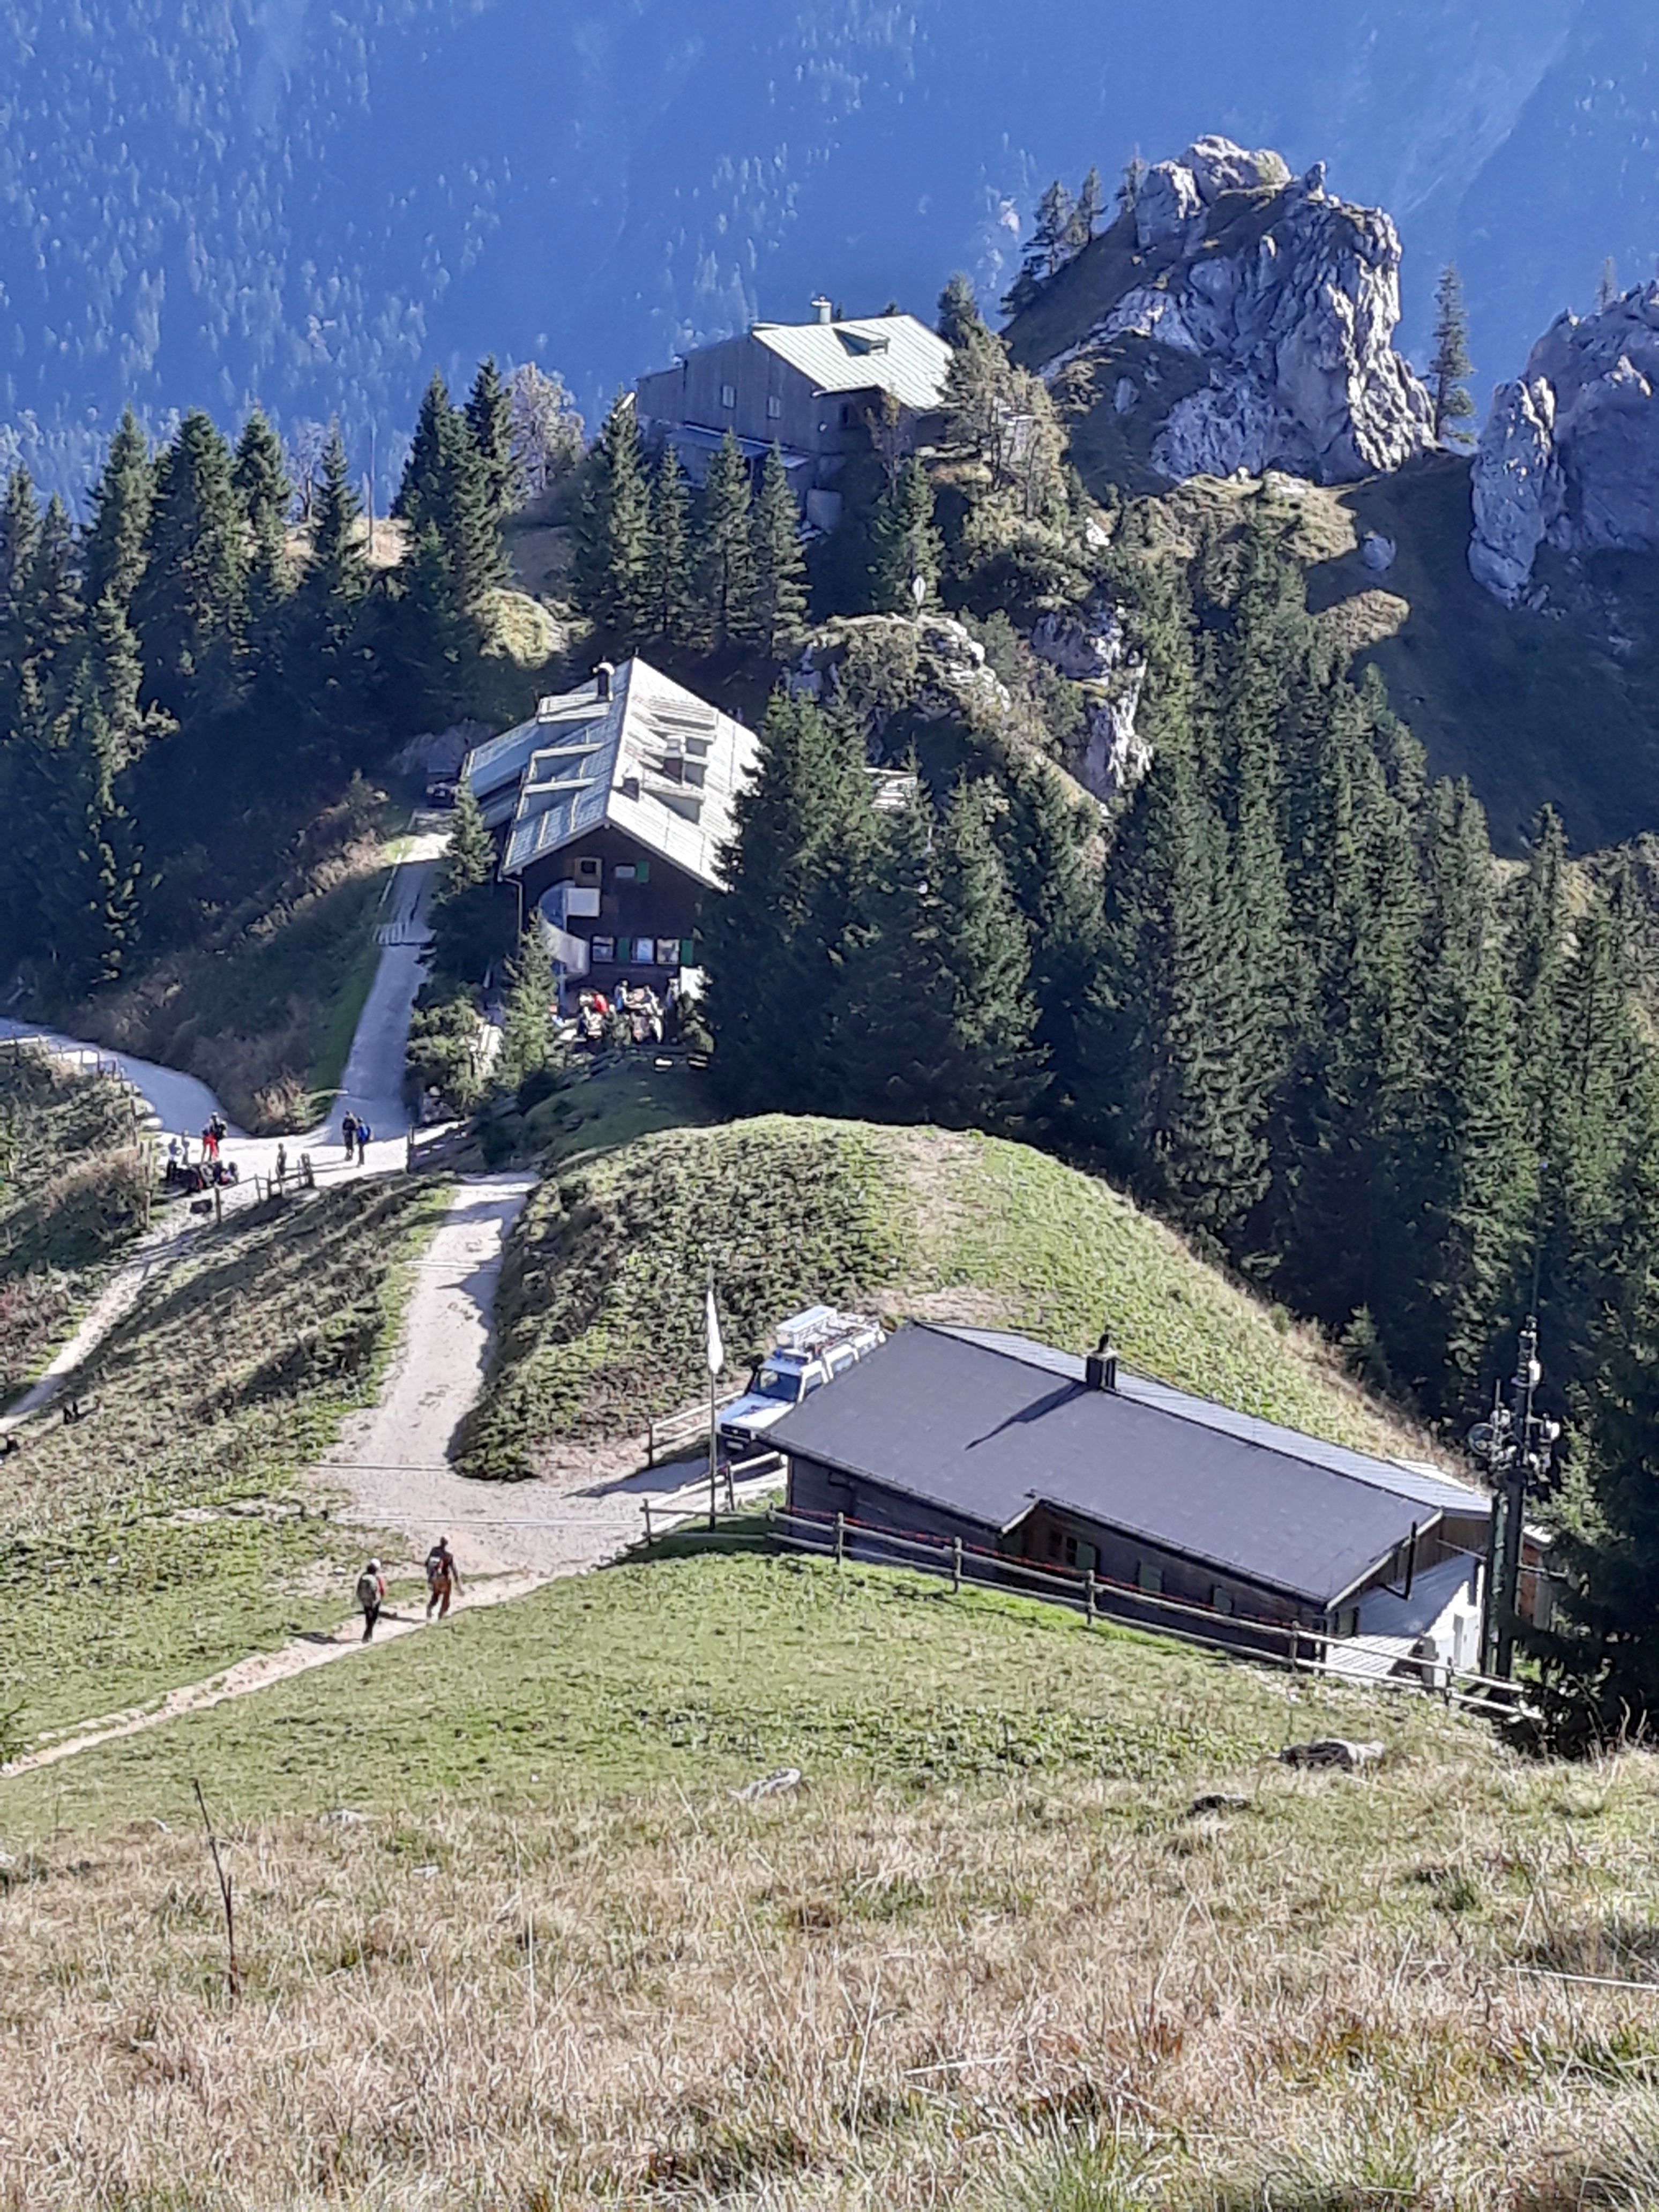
(704, 1669)
(1047, 1928)
(71, 1194)
(601, 1303)
(168, 1534)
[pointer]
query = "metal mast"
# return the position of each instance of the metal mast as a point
(1516, 1447)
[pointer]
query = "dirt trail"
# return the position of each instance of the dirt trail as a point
(259, 1672)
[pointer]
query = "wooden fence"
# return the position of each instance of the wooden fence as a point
(1238, 1636)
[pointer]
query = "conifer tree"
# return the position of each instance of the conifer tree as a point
(418, 488)
(671, 617)
(958, 310)
(118, 670)
(1451, 364)
(1043, 836)
(191, 606)
(777, 938)
(52, 611)
(266, 495)
(20, 534)
(1606, 288)
(1091, 206)
(724, 556)
(90, 892)
(613, 560)
(459, 505)
(1054, 226)
(906, 544)
(526, 1014)
(985, 949)
(490, 419)
(114, 547)
(325, 667)
(1463, 1174)
(434, 645)
(780, 566)
(472, 911)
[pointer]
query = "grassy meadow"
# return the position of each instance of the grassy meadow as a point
(168, 1532)
(1047, 1928)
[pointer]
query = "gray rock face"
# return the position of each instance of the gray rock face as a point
(1096, 652)
(1292, 298)
(1570, 455)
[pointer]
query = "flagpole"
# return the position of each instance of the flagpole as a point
(714, 1433)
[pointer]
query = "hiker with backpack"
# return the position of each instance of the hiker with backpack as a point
(348, 1135)
(442, 1577)
(371, 1595)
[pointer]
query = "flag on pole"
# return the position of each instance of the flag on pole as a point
(716, 1348)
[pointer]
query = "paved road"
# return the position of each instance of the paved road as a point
(372, 1085)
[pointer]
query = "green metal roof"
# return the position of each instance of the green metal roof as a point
(885, 353)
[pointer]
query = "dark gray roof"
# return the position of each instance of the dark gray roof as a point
(986, 1434)
(1423, 1484)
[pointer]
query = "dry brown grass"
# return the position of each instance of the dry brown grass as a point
(1071, 1998)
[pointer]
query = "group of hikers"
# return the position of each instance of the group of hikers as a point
(635, 1016)
(355, 1134)
(443, 1579)
(182, 1173)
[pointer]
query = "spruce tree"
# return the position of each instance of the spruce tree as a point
(51, 610)
(471, 912)
(958, 310)
(527, 1029)
(89, 893)
(1044, 837)
(1091, 206)
(780, 602)
(460, 506)
(20, 534)
(118, 669)
(418, 487)
(1451, 363)
(191, 606)
(434, 645)
(723, 553)
(114, 547)
(986, 950)
(1463, 1171)
(777, 937)
(612, 569)
(906, 545)
(1054, 226)
(670, 619)
(324, 656)
(266, 495)
(490, 419)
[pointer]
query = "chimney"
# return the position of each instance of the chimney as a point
(602, 679)
(823, 311)
(1100, 1369)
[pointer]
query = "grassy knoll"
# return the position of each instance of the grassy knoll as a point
(601, 1312)
(1048, 1928)
(71, 1194)
(164, 1535)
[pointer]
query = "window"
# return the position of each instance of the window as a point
(602, 950)
(623, 873)
(728, 395)
(773, 408)
(1149, 1575)
(643, 949)
(588, 871)
(1221, 1601)
(1079, 1556)
(668, 952)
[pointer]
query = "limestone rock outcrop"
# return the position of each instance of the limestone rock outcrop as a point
(1259, 324)
(1095, 651)
(1570, 455)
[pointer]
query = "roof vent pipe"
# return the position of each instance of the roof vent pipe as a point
(823, 311)
(1100, 1369)
(602, 679)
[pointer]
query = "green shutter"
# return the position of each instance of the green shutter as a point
(643, 871)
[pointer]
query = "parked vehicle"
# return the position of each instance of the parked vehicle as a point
(442, 790)
(813, 1349)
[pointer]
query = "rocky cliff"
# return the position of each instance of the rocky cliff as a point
(1236, 317)
(1570, 455)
